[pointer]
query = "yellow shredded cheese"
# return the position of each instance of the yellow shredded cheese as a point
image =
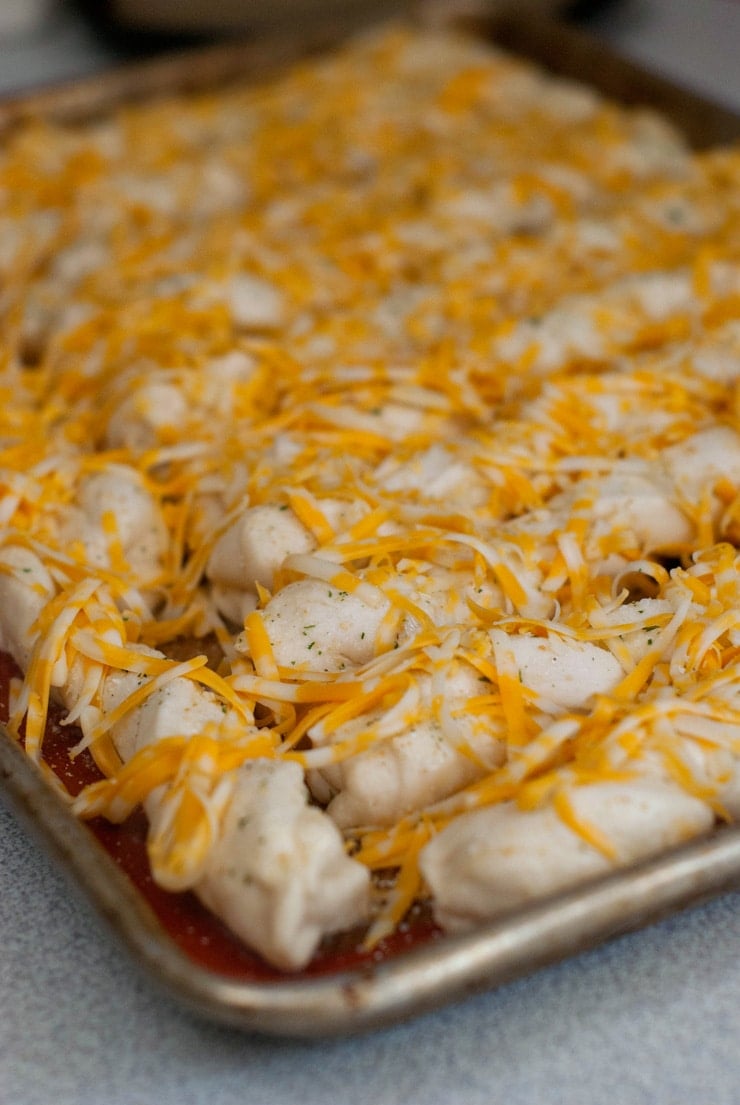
(406, 381)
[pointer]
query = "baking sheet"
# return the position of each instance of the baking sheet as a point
(449, 968)
(413, 983)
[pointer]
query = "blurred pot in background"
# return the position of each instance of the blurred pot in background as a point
(207, 16)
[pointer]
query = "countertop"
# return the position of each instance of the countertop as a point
(649, 1019)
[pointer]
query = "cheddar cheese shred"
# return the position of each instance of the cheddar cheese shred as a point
(370, 482)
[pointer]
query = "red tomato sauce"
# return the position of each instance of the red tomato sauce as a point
(198, 933)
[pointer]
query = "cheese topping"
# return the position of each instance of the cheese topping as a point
(405, 386)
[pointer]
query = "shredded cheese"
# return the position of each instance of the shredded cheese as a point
(474, 336)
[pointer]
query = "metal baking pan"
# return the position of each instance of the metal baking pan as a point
(448, 968)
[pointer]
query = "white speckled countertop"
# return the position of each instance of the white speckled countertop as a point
(650, 1019)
